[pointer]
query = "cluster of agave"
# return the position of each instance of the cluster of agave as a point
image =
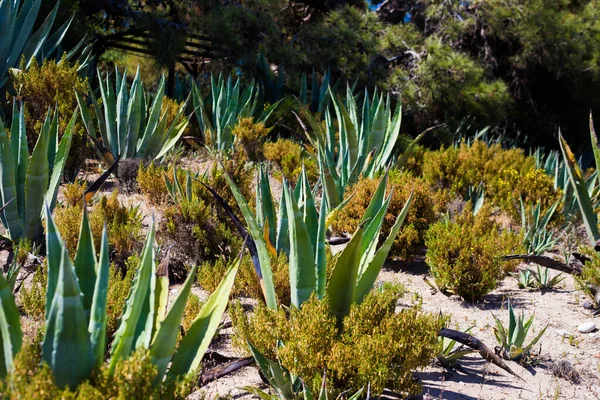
(75, 337)
(362, 143)
(127, 127)
(26, 183)
(299, 230)
(225, 105)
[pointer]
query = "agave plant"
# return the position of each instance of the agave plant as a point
(176, 191)
(127, 127)
(364, 146)
(286, 385)
(19, 41)
(225, 105)
(525, 279)
(512, 340)
(300, 232)
(537, 238)
(75, 336)
(30, 180)
(450, 353)
(543, 280)
(587, 192)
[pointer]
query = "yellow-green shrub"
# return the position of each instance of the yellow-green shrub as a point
(289, 156)
(49, 86)
(506, 174)
(464, 255)
(247, 283)
(251, 135)
(119, 284)
(133, 378)
(151, 183)
(420, 214)
(73, 192)
(33, 296)
(123, 224)
(377, 346)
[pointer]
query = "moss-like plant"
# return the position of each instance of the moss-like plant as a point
(49, 86)
(247, 283)
(420, 214)
(507, 175)
(250, 136)
(151, 183)
(375, 346)
(123, 223)
(289, 156)
(33, 296)
(464, 255)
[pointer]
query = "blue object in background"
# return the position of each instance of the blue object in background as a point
(407, 17)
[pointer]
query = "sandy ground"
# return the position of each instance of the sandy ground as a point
(560, 309)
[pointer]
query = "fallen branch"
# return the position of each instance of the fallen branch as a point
(573, 267)
(476, 344)
(225, 369)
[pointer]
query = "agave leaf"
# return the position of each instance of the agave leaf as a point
(147, 320)
(342, 283)
(535, 340)
(66, 347)
(124, 337)
(59, 162)
(20, 155)
(303, 278)
(97, 325)
(590, 218)
(54, 244)
(279, 378)
(368, 277)
(11, 336)
(161, 297)
(8, 187)
(320, 253)
(263, 253)
(165, 338)
(283, 238)
(193, 346)
(85, 263)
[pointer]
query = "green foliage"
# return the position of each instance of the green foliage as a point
(507, 175)
(420, 215)
(129, 124)
(464, 255)
(52, 85)
(512, 339)
(119, 286)
(251, 135)
(151, 183)
(225, 105)
(20, 41)
(376, 345)
(537, 238)
(133, 379)
(289, 157)
(33, 297)
(29, 182)
(124, 225)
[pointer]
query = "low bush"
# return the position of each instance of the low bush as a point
(288, 156)
(123, 223)
(250, 136)
(506, 175)
(49, 86)
(464, 255)
(420, 214)
(151, 183)
(376, 347)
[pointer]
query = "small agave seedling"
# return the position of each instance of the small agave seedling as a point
(525, 279)
(30, 181)
(537, 238)
(543, 280)
(512, 340)
(450, 354)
